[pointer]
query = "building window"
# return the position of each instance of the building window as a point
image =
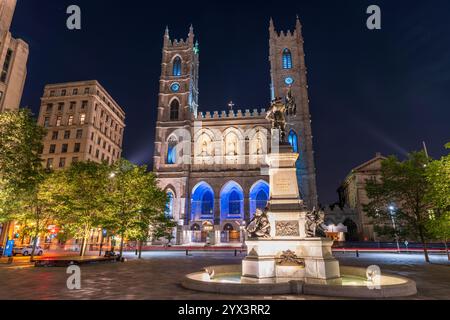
(287, 59)
(72, 105)
(174, 110)
(63, 93)
(97, 153)
(67, 134)
(84, 105)
(49, 107)
(99, 141)
(61, 106)
(52, 93)
(86, 91)
(92, 136)
(70, 121)
(55, 135)
(46, 122)
(172, 151)
(293, 141)
(62, 162)
(169, 204)
(77, 148)
(52, 149)
(58, 121)
(75, 92)
(49, 163)
(6, 65)
(82, 118)
(79, 133)
(1, 96)
(90, 149)
(64, 148)
(177, 67)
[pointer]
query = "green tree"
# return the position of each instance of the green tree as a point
(84, 200)
(438, 176)
(163, 228)
(135, 201)
(40, 206)
(20, 163)
(403, 184)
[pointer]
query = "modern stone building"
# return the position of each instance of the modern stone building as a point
(13, 60)
(213, 165)
(84, 123)
(352, 194)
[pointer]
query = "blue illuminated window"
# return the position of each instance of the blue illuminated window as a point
(172, 152)
(207, 204)
(287, 59)
(177, 67)
(169, 205)
(293, 141)
(234, 203)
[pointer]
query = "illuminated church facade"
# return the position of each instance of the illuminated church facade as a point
(212, 165)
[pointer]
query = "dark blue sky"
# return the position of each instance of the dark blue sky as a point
(371, 91)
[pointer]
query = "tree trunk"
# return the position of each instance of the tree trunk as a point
(101, 244)
(140, 249)
(34, 248)
(82, 246)
(121, 244)
(425, 249)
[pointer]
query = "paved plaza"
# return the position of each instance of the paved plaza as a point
(159, 274)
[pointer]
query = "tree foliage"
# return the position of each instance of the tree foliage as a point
(403, 184)
(20, 163)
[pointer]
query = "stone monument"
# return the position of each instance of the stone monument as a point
(285, 240)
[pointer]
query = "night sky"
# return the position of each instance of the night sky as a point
(371, 91)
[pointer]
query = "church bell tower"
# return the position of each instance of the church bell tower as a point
(288, 79)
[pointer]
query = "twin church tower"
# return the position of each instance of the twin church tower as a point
(210, 163)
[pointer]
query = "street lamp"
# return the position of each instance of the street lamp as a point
(392, 212)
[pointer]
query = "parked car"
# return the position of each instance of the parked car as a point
(26, 251)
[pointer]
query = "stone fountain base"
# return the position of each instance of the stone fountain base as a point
(309, 258)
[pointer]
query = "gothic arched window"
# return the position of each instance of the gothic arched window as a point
(169, 204)
(174, 110)
(293, 140)
(176, 67)
(287, 59)
(172, 151)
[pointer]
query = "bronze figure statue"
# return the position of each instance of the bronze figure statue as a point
(314, 224)
(277, 116)
(259, 226)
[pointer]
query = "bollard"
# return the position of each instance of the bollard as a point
(235, 253)
(187, 252)
(357, 253)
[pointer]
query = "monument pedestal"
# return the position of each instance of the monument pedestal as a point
(288, 253)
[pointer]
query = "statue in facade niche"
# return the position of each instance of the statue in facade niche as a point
(314, 224)
(259, 226)
(291, 106)
(204, 148)
(277, 116)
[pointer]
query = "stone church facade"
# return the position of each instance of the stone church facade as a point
(213, 164)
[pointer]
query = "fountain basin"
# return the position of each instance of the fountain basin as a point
(352, 284)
